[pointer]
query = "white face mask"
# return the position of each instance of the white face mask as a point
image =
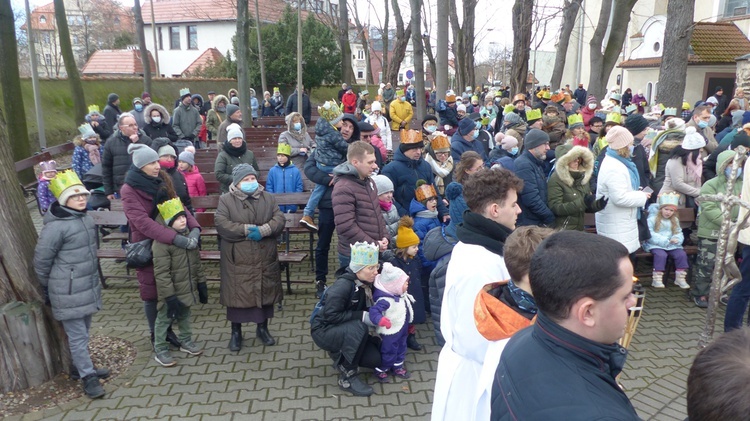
(156, 119)
(592, 106)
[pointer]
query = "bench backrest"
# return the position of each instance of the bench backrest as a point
(61, 149)
(29, 162)
(113, 217)
(212, 202)
(685, 215)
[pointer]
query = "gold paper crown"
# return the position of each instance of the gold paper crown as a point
(170, 209)
(671, 111)
(575, 119)
(519, 97)
(284, 149)
(410, 136)
(329, 111)
(613, 118)
(669, 199)
(424, 192)
(93, 109)
(364, 254)
(509, 108)
(533, 115)
(63, 180)
(630, 108)
(440, 142)
(557, 97)
(184, 91)
(546, 94)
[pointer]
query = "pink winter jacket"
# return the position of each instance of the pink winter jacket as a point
(195, 183)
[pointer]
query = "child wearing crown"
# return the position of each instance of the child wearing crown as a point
(43, 193)
(284, 177)
(66, 266)
(392, 313)
(180, 282)
(666, 240)
(576, 133)
(88, 151)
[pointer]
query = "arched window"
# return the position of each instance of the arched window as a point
(656, 94)
(649, 91)
(42, 19)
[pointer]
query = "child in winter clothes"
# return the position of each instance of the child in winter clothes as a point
(576, 133)
(65, 263)
(387, 209)
(284, 177)
(392, 313)
(407, 247)
(382, 128)
(180, 282)
(43, 194)
(88, 151)
(195, 183)
(666, 240)
(423, 209)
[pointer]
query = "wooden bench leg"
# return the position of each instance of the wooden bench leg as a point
(101, 274)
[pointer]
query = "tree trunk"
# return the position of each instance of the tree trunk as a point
(243, 78)
(603, 63)
(441, 59)
(519, 69)
(399, 47)
(260, 51)
(347, 73)
(467, 28)
(32, 347)
(364, 39)
(74, 78)
(12, 97)
(569, 14)
(674, 61)
(416, 40)
(385, 36)
(457, 46)
(141, 45)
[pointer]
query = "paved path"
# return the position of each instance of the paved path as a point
(294, 380)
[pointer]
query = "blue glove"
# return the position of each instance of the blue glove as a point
(253, 233)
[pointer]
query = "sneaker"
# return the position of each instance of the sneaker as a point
(164, 358)
(320, 287)
(308, 223)
(92, 387)
(382, 376)
(101, 373)
(191, 348)
(401, 373)
(701, 301)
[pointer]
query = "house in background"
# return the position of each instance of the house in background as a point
(116, 63)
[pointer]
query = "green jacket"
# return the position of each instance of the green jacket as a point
(566, 190)
(177, 271)
(225, 163)
(710, 215)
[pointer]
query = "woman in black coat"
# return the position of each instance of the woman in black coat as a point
(158, 123)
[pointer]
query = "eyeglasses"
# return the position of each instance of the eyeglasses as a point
(442, 153)
(597, 126)
(128, 125)
(82, 196)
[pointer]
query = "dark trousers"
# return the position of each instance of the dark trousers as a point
(740, 297)
(326, 227)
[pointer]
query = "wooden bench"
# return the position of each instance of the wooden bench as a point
(278, 121)
(61, 149)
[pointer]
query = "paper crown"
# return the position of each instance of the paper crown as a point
(184, 91)
(519, 97)
(364, 254)
(533, 115)
(615, 118)
(509, 108)
(63, 180)
(170, 209)
(410, 136)
(440, 142)
(365, 92)
(86, 130)
(424, 192)
(93, 109)
(630, 108)
(546, 94)
(558, 97)
(671, 111)
(574, 119)
(617, 97)
(276, 89)
(284, 149)
(669, 199)
(330, 111)
(685, 105)
(399, 92)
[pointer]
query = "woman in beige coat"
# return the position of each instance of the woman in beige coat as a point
(248, 222)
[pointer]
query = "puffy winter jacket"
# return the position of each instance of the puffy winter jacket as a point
(187, 121)
(710, 215)
(102, 128)
(459, 145)
(116, 161)
(225, 163)
(448, 116)
(318, 176)
(161, 129)
(297, 140)
(661, 239)
(404, 173)
(196, 185)
(81, 163)
(331, 147)
(214, 117)
(391, 219)
(438, 245)
(533, 198)
(421, 227)
(400, 111)
(111, 114)
(349, 101)
(177, 271)
(65, 262)
(286, 179)
(566, 190)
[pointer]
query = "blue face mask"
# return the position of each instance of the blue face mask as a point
(430, 129)
(514, 150)
(297, 126)
(476, 134)
(249, 187)
(479, 124)
(403, 98)
(138, 107)
(702, 124)
(728, 172)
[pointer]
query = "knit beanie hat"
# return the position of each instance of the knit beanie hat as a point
(405, 236)
(241, 171)
(383, 184)
(745, 117)
(376, 106)
(619, 137)
(693, 140)
(461, 107)
(187, 157)
(675, 124)
(591, 100)
(65, 185)
(512, 118)
(231, 109)
(233, 131)
(635, 123)
(737, 116)
(166, 150)
(534, 138)
(142, 154)
(235, 100)
(466, 126)
(391, 280)
(509, 142)
(112, 98)
(362, 255)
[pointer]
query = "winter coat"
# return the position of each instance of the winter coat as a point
(404, 173)
(65, 263)
(555, 127)
(400, 111)
(225, 163)
(389, 94)
(678, 180)
(177, 271)
(448, 116)
(318, 176)
(298, 140)
(268, 107)
(331, 147)
(160, 129)
(43, 194)
(81, 163)
(662, 148)
(661, 239)
(384, 130)
(349, 101)
(102, 128)
(214, 117)
(443, 171)
(459, 145)
(196, 185)
(254, 106)
(422, 225)
(277, 101)
(533, 197)
(222, 135)
(545, 359)
(708, 134)
(356, 210)
(413, 268)
(284, 179)
(457, 204)
(618, 220)
(438, 245)
(187, 121)
(292, 106)
(566, 190)
(116, 161)
(580, 95)
(111, 115)
(139, 117)
(250, 271)
(710, 215)
(391, 219)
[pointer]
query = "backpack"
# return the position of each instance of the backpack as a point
(322, 302)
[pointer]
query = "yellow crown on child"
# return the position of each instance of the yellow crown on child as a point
(533, 115)
(613, 118)
(669, 199)
(170, 209)
(93, 109)
(364, 254)
(574, 119)
(284, 149)
(64, 180)
(330, 112)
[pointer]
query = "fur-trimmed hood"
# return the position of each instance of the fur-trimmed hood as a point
(162, 110)
(78, 140)
(218, 99)
(229, 93)
(575, 152)
(288, 119)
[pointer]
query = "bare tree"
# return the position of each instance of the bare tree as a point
(145, 62)
(18, 133)
(441, 59)
(416, 40)
(604, 60)
(674, 61)
(426, 22)
(74, 78)
(243, 78)
(569, 13)
(463, 41)
(385, 35)
(403, 33)
(263, 85)
(347, 73)
(48, 48)
(519, 70)
(362, 33)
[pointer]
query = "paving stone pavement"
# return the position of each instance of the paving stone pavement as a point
(294, 380)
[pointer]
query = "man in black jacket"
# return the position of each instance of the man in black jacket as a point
(291, 105)
(116, 161)
(565, 365)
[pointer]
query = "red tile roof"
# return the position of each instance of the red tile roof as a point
(178, 11)
(712, 43)
(210, 56)
(116, 62)
(48, 11)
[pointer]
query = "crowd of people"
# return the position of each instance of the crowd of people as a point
(471, 221)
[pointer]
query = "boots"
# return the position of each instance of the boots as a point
(92, 387)
(679, 279)
(263, 334)
(172, 338)
(101, 373)
(349, 381)
(235, 343)
(411, 342)
(656, 279)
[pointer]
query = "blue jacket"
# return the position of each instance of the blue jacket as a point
(285, 179)
(459, 145)
(421, 227)
(81, 163)
(331, 146)
(448, 115)
(404, 173)
(660, 239)
(533, 198)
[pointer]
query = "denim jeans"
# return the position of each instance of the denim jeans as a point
(317, 193)
(740, 295)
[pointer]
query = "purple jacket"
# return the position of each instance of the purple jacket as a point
(44, 195)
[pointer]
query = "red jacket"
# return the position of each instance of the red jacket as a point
(350, 102)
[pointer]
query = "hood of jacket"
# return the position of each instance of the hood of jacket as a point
(346, 169)
(587, 164)
(494, 319)
(88, 116)
(158, 107)
(438, 243)
(200, 99)
(416, 206)
(218, 99)
(59, 213)
(723, 161)
(229, 93)
(289, 123)
(668, 140)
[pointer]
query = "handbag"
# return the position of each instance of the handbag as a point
(138, 254)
